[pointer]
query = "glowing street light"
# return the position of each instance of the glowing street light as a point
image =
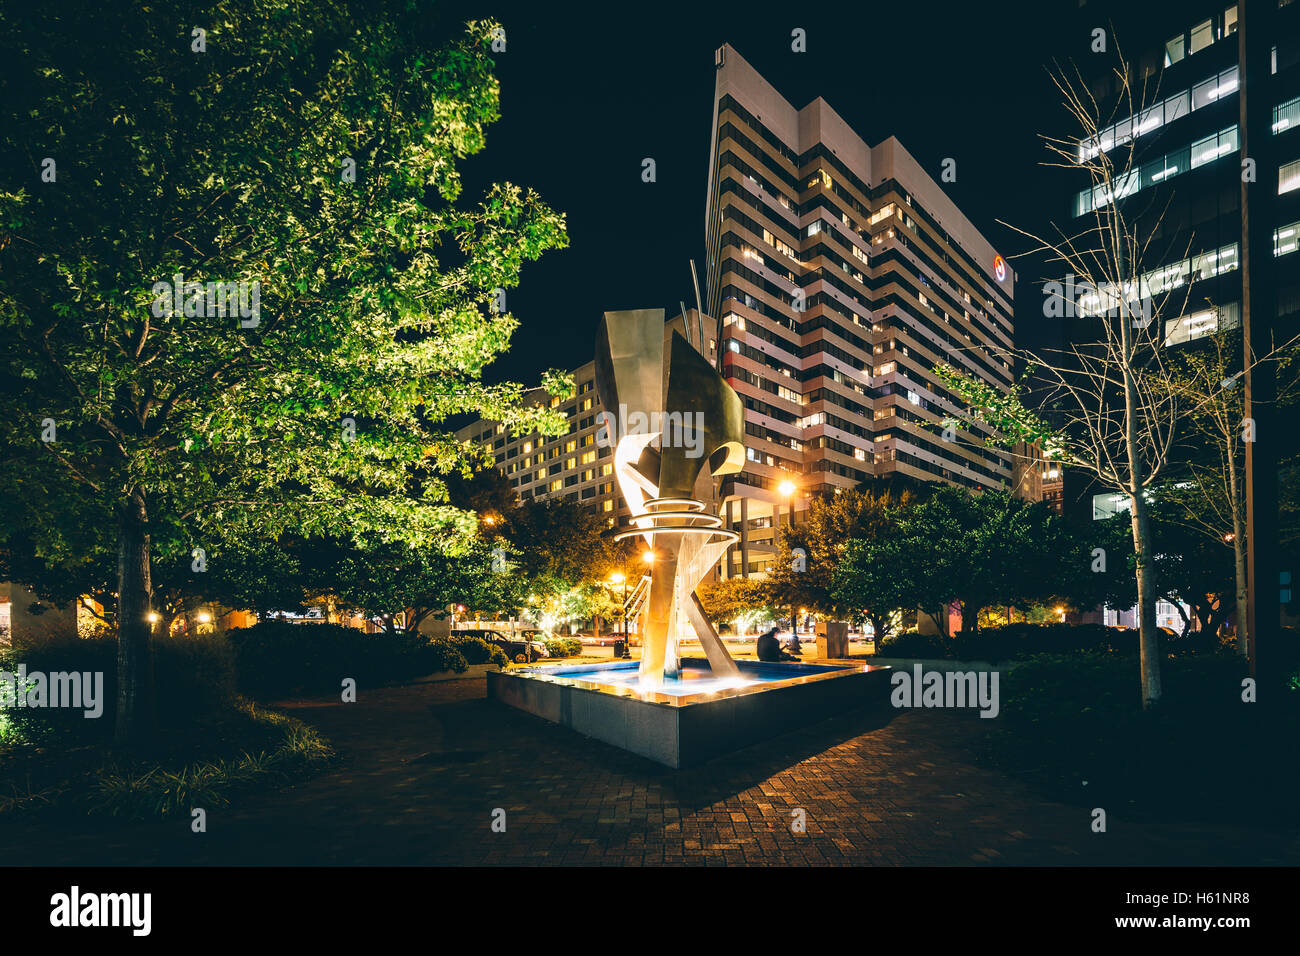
(648, 557)
(786, 488)
(616, 578)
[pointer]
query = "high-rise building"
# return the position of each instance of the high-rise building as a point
(1183, 195)
(1208, 180)
(841, 274)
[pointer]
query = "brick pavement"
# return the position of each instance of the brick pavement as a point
(422, 768)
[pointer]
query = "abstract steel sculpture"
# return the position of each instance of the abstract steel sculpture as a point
(666, 422)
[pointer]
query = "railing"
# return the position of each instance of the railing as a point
(636, 600)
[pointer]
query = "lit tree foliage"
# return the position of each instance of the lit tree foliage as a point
(228, 156)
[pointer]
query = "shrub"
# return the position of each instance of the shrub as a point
(193, 678)
(564, 647)
(440, 655)
(194, 675)
(1013, 641)
(912, 644)
(475, 650)
(276, 658)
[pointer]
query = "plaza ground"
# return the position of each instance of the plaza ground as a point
(422, 768)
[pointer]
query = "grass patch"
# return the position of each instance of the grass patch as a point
(242, 748)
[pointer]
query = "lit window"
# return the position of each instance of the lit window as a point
(1108, 505)
(1288, 177)
(1202, 36)
(1174, 50)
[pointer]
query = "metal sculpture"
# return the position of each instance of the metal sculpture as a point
(666, 422)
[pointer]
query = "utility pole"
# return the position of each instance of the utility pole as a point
(1258, 316)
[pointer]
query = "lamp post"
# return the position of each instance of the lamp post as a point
(787, 490)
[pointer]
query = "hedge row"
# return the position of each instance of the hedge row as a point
(1013, 641)
(197, 676)
(276, 658)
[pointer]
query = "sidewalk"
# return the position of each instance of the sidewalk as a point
(423, 768)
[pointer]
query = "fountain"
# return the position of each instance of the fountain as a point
(675, 428)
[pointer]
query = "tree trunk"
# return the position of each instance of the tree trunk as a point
(970, 618)
(1239, 559)
(1149, 639)
(879, 628)
(135, 702)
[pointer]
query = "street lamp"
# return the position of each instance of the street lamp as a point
(787, 488)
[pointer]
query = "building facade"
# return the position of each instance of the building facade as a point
(1184, 191)
(841, 274)
(1183, 194)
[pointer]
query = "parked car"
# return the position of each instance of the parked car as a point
(519, 650)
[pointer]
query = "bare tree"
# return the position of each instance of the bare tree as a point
(1212, 496)
(1106, 390)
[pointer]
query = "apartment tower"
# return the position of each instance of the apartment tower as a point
(841, 274)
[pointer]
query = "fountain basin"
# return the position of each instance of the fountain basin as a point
(688, 720)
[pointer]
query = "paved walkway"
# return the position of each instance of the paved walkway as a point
(422, 769)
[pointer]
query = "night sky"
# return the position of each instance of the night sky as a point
(585, 96)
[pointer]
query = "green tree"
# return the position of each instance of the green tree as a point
(561, 545)
(310, 151)
(387, 578)
(984, 550)
(736, 601)
(804, 574)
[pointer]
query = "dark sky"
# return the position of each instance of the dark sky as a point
(587, 95)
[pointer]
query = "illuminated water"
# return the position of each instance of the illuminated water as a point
(694, 679)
